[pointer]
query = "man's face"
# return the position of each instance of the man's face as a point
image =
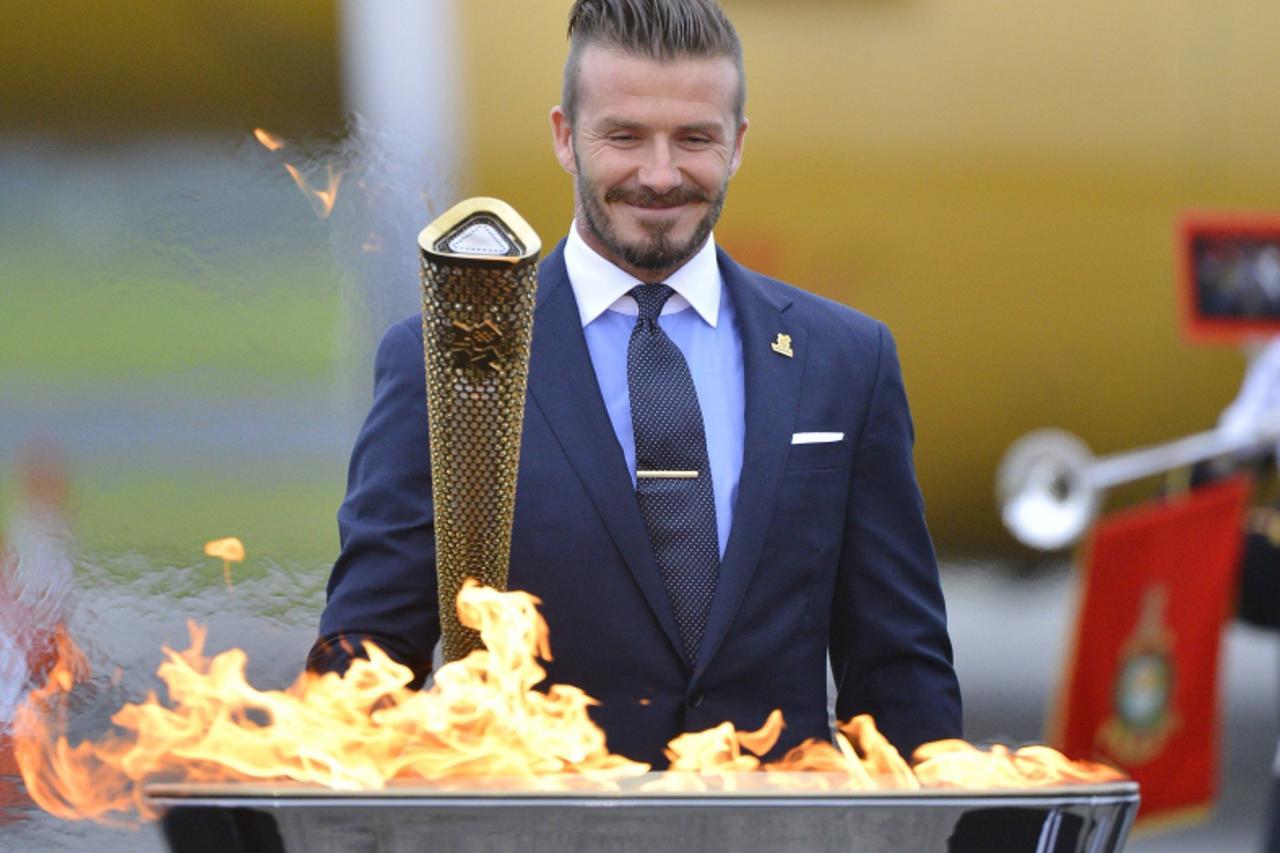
(652, 148)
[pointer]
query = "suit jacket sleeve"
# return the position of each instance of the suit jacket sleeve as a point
(890, 653)
(383, 585)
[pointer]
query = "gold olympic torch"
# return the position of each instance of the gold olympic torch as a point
(479, 274)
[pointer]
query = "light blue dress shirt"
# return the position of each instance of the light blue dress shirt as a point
(701, 321)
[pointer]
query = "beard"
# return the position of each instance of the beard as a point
(656, 252)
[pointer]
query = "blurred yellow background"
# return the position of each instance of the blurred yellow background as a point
(998, 181)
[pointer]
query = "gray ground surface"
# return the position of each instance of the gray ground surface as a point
(1008, 636)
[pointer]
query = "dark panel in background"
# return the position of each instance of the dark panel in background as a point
(113, 69)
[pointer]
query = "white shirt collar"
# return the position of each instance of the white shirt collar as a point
(599, 285)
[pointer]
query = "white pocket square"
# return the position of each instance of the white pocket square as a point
(816, 437)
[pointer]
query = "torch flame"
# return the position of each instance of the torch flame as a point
(481, 722)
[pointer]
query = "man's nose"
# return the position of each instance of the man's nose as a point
(660, 172)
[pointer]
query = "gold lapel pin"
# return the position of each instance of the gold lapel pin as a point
(782, 346)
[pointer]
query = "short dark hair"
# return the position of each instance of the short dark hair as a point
(661, 30)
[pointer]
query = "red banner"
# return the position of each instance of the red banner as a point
(1141, 686)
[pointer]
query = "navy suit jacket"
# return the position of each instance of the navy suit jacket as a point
(828, 550)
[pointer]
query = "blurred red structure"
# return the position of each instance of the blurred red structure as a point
(28, 627)
(1142, 684)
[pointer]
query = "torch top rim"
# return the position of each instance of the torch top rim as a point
(526, 240)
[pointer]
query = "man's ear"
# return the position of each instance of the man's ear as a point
(739, 139)
(562, 140)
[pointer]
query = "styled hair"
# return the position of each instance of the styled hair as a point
(661, 30)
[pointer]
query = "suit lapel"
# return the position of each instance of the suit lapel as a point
(562, 383)
(772, 383)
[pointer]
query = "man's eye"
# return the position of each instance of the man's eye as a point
(621, 137)
(697, 140)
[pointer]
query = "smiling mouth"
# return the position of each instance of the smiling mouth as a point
(674, 200)
(659, 208)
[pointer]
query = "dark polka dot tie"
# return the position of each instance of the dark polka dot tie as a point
(673, 477)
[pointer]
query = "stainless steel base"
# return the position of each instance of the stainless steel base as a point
(259, 819)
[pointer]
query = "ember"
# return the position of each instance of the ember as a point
(480, 723)
(229, 550)
(268, 139)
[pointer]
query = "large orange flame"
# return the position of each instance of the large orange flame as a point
(357, 731)
(480, 722)
(958, 764)
(65, 786)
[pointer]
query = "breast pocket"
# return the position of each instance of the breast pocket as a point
(813, 455)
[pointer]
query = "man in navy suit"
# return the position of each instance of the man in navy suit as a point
(818, 521)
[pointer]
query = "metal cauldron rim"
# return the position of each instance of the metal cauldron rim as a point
(418, 793)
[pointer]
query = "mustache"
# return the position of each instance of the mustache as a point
(648, 198)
